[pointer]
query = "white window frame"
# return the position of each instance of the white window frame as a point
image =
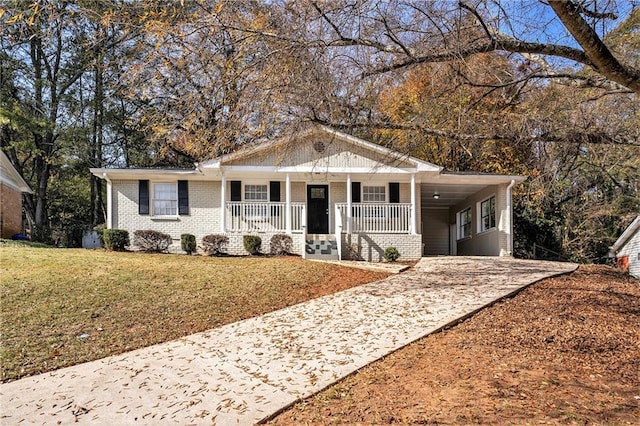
(481, 217)
(154, 199)
(460, 224)
(260, 213)
(384, 193)
(370, 211)
(266, 192)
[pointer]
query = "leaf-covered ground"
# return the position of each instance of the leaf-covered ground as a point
(564, 351)
(60, 307)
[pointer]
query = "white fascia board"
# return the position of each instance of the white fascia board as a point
(477, 179)
(10, 177)
(15, 184)
(317, 169)
(142, 173)
(628, 233)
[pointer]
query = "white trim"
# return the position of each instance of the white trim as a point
(152, 194)
(413, 216)
(223, 204)
(627, 234)
(266, 185)
(479, 222)
(287, 196)
(510, 218)
(459, 235)
(110, 202)
(10, 177)
(384, 191)
(318, 169)
(349, 203)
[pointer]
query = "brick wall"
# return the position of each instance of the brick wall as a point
(372, 246)
(203, 217)
(10, 211)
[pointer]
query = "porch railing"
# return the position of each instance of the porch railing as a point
(263, 217)
(388, 218)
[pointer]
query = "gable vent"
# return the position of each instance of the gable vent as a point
(319, 146)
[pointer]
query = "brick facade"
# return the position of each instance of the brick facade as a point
(10, 211)
(371, 247)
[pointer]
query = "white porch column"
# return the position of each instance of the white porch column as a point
(288, 203)
(414, 216)
(223, 207)
(349, 204)
(109, 202)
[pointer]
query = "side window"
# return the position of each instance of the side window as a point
(464, 223)
(487, 214)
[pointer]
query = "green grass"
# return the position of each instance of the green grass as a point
(125, 301)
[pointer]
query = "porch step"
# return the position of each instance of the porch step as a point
(320, 246)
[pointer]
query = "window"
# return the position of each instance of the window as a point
(165, 199)
(373, 194)
(256, 193)
(464, 223)
(487, 214)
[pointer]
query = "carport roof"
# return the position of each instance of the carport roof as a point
(454, 187)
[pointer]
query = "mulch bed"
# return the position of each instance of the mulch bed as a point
(564, 351)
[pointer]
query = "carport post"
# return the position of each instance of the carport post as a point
(223, 208)
(414, 216)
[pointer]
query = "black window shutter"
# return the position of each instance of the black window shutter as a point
(394, 192)
(236, 190)
(355, 192)
(274, 191)
(143, 197)
(183, 197)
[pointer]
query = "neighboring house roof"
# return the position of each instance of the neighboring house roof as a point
(10, 177)
(626, 235)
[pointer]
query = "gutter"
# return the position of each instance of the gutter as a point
(510, 210)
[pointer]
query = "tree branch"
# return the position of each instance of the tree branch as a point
(599, 55)
(573, 137)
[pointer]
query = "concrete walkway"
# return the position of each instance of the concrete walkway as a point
(246, 371)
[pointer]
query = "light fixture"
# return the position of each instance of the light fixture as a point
(436, 195)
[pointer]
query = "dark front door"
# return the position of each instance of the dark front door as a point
(318, 209)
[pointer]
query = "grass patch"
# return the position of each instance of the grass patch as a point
(124, 301)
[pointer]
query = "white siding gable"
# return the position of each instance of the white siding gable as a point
(321, 151)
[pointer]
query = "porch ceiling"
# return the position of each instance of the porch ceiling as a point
(450, 195)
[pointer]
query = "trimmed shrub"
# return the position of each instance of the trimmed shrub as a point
(391, 254)
(188, 243)
(214, 244)
(252, 243)
(281, 244)
(115, 239)
(151, 241)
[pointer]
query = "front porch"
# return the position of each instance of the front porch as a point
(359, 230)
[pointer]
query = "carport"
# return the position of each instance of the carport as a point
(467, 214)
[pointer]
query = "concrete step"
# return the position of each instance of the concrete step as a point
(319, 246)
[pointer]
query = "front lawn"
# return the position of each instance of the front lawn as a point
(60, 307)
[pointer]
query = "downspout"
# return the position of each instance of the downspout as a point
(109, 201)
(510, 210)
